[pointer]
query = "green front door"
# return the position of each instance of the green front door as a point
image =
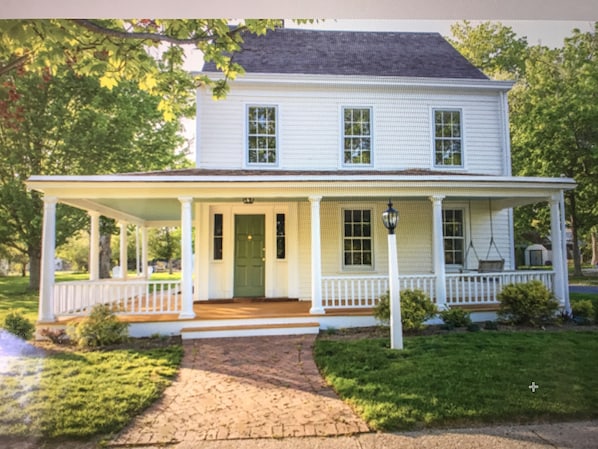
(250, 256)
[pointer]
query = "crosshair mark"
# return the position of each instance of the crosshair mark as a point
(533, 387)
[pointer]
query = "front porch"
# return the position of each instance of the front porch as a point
(154, 307)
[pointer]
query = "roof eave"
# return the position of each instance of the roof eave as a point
(364, 80)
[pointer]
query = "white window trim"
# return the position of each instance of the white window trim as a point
(248, 164)
(343, 164)
(433, 138)
(357, 268)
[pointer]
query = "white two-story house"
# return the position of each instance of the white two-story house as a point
(293, 172)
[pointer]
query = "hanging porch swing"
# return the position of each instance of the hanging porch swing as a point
(486, 265)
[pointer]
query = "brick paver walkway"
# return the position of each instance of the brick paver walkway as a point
(259, 387)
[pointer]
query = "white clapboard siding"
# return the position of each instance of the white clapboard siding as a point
(310, 121)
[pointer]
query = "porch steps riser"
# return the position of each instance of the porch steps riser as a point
(249, 330)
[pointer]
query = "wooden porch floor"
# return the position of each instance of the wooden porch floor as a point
(229, 310)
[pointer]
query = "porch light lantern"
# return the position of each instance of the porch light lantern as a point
(248, 200)
(390, 218)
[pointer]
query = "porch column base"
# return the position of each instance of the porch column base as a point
(186, 316)
(317, 311)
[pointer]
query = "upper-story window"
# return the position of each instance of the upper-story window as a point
(262, 143)
(357, 136)
(448, 141)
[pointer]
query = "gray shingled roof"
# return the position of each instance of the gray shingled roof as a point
(317, 52)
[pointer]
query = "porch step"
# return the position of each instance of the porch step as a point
(249, 330)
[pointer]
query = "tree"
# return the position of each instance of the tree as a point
(492, 47)
(554, 125)
(68, 123)
(162, 244)
(148, 51)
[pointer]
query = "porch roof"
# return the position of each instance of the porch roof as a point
(152, 197)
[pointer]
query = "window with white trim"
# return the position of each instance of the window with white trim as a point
(261, 135)
(357, 238)
(357, 136)
(454, 236)
(448, 142)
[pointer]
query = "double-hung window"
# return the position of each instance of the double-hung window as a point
(357, 136)
(357, 238)
(448, 141)
(454, 237)
(262, 142)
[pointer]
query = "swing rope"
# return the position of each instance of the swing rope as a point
(492, 242)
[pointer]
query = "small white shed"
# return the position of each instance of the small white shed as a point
(536, 255)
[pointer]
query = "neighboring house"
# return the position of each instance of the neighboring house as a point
(294, 169)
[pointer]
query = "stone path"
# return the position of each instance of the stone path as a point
(238, 388)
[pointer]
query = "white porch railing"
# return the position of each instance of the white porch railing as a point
(126, 297)
(339, 292)
(483, 288)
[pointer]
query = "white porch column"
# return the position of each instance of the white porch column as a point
(94, 246)
(438, 250)
(187, 257)
(138, 269)
(144, 261)
(566, 298)
(316, 257)
(123, 250)
(556, 238)
(46, 291)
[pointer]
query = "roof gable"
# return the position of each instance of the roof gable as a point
(315, 52)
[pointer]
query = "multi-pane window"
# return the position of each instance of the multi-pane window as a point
(357, 237)
(218, 236)
(454, 238)
(357, 136)
(261, 135)
(280, 236)
(448, 143)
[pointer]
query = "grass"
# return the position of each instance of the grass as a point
(465, 379)
(79, 394)
(72, 394)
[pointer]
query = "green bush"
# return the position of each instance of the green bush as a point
(100, 328)
(528, 304)
(583, 311)
(16, 323)
(455, 318)
(416, 307)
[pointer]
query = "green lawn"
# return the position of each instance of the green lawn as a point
(72, 394)
(463, 379)
(79, 394)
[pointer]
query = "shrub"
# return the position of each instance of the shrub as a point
(491, 325)
(583, 311)
(455, 317)
(100, 328)
(473, 327)
(528, 304)
(416, 307)
(16, 323)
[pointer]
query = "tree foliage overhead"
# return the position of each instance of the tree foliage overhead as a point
(150, 52)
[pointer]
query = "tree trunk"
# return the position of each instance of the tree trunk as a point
(576, 253)
(105, 256)
(594, 248)
(170, 269)
(35, 260)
